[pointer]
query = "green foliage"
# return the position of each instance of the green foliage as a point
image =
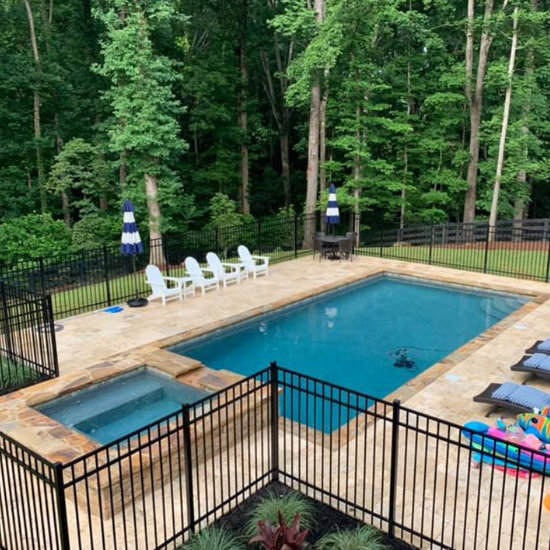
(362, 538)
(223, 211)
(281, 536)
(288, 505)
(80, 169)
(155, 86)
(33, 236)
(214, 538)
(96, 230)
(14, 376)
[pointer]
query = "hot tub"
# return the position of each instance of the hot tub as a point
(122, 405)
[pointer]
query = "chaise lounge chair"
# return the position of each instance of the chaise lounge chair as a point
(514, 397)
(540, 346)
(537, 365)
(197, 275)
(160, 285)
(254, 265)
(226, 272)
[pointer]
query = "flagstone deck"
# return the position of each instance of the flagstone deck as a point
(94, 337)
(98, 344)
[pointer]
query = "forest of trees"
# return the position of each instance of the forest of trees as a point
(420, 111)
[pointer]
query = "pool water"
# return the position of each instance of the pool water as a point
(372, 337)
(113, 409)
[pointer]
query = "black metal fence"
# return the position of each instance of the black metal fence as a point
(27, 338)
(88, 280)
(514, 248)
(411, 474)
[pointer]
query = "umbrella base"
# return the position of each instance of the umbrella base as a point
(137, 302)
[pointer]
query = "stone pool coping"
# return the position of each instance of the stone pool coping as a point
(57, 443)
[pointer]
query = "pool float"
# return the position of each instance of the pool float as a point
(536, 423)
(503, 451)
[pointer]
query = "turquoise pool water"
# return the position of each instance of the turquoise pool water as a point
(354, 337)
(113, 409)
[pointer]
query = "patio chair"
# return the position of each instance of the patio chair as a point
(537, 365)
(540, 346)
(317, 244)
(255, 265)
(197, 275)
(160, 285)
(226, 272)
(348, 246)
(514, 397)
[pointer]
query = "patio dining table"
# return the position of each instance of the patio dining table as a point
(332, 244)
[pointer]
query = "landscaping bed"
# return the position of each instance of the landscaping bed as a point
(320, 519)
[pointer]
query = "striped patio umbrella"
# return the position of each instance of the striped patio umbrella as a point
(131, 245)
(131, 241)
(332, 215)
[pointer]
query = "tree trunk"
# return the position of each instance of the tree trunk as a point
(323, 137)
(36, 109)
(243, 112)
(156, 253)
(405, 154)
(519, 204)
(504, 129)
(313, 144)
(476, 106)
(285, 166)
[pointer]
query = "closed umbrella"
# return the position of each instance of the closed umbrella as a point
(131, 245)
(332, 214)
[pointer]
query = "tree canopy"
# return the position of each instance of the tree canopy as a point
(202, 112)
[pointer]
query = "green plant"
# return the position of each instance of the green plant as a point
(288, 505)
(32, 236)
(281, 537)
(214, 538)
(362, 538)
(13, 376)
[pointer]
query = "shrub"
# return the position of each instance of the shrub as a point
(33, 236)
(362, 538)
(214, 538)
(95, 230)
(289, 505)
(281, 537)
(14, 376)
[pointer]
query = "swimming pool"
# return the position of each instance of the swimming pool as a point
(373, 337)
(115, 408)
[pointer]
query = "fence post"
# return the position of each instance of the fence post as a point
(106, 274)
(393, 465)
(217, 236)
(487, 240)
(61, 506)
(431, 245)
(6, 316)
(185, 408)
(295, 235)
(259, 237)
(274, 383)
(382, 241)
(42, 276)
(547, 277)
(53, 339)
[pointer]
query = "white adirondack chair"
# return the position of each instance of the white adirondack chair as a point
(160, 285)
(197, 275)
(226, 272)
(255, 265)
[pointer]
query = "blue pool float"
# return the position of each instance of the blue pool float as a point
(503, 453)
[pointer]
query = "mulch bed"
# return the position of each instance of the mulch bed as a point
(327, 519)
